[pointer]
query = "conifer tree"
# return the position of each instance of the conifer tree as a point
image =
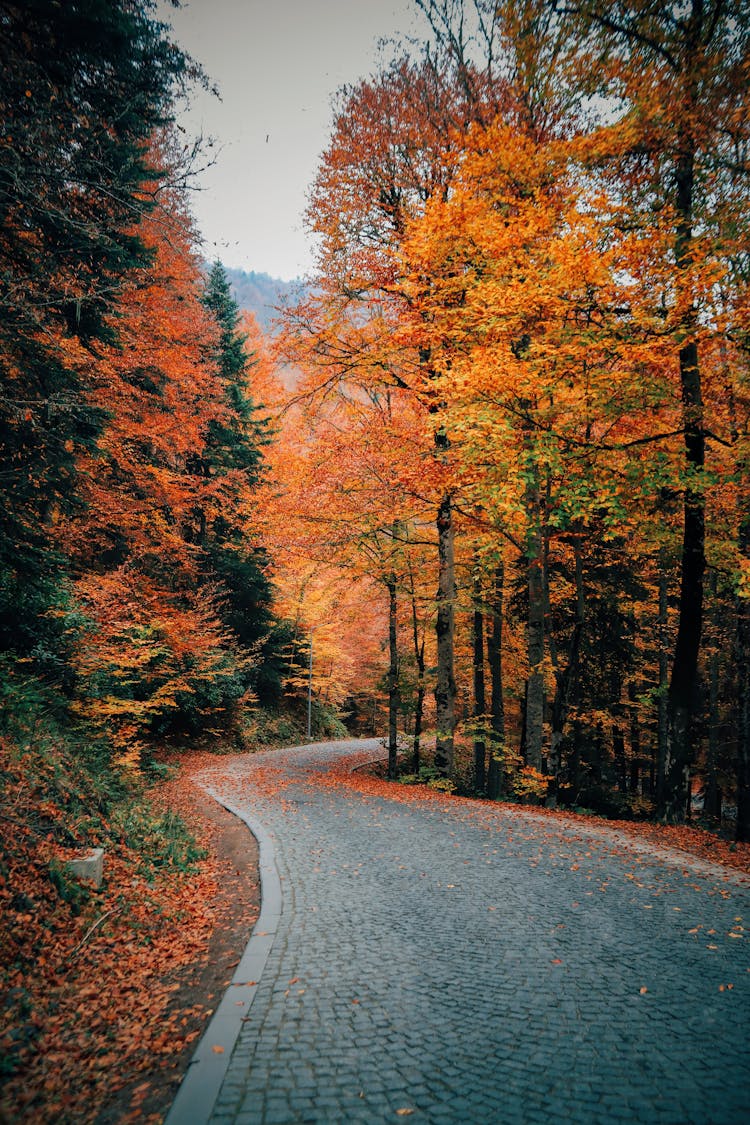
(82, 88)
(234, 453)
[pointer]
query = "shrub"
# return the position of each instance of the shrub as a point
(530, 785)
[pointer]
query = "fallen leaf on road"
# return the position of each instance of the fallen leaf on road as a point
(217, 1050)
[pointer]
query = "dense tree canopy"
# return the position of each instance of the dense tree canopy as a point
(83, 88)
(510, 437)
(543, 246)
(130, 574)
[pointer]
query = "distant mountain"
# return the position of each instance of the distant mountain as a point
(261, 294)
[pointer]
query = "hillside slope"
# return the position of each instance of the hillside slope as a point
(261, 294)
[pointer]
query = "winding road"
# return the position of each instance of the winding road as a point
(441, 960)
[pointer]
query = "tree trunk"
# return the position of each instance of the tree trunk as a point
(661, 737)
(567, 676)
(480, 705)
(393, 684)
(683, 682)
(743, 700)
(575, 760)
(636, 781)
(495, 775)
(419, 660)
(711, 791)
(618, 750)
(445, 687)
(618, 731)
(535, 638)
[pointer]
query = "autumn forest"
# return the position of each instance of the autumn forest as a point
(488, 473)
(481, 489)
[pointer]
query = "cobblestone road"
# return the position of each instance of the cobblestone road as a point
(444, 961)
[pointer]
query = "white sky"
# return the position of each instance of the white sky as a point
(277, 63)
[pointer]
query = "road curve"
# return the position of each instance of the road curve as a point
(442, 960)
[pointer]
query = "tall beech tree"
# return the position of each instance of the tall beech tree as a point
(679, 151)
(391, 151)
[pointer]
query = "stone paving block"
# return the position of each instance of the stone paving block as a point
(461, 1012)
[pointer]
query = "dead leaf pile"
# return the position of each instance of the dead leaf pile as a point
(90, 977)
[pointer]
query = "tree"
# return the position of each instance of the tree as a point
(83, 88)
(498, 272)
(349, 498)
(390, 152)
(679, 159)
(232, 553)
(158, 658)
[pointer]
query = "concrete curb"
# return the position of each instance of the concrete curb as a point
(195, 1099)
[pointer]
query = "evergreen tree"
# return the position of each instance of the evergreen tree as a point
(235, 444)
(83, 86)
(234, 451)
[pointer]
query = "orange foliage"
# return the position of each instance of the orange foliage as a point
(158, 394)
(93, 999)
(143, 654)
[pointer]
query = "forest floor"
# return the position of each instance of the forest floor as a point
(101, 1018)
(147, 1094)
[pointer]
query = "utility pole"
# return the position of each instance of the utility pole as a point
(309, 688)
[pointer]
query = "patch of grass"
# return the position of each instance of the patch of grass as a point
(162, 841)
(262, 728)
(69, 889)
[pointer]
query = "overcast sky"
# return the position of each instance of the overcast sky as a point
(277, 63)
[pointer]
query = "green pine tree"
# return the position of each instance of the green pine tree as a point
(83, 87)
(236, 443)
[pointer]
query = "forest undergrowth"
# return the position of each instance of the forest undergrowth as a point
(105, 990)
